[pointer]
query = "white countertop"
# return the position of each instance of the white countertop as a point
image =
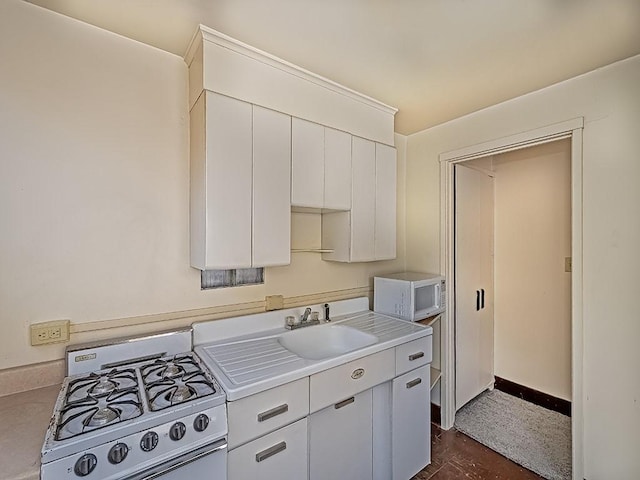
(254, 362)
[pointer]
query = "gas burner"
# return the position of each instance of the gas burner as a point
(103, 416)
(168, 368)
(100, 384)
(172, 391)
(94, 412)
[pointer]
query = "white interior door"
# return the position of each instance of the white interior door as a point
(474, 208)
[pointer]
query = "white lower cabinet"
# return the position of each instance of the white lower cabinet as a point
(341, 440)
(280, 455)
(355, 421)
(411, 425)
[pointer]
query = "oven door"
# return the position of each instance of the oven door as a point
(208, 462)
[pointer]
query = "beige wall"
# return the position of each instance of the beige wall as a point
(94, 191)
(609, 101)
(532, 319)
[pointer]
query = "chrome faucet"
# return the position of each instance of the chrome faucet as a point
(305, 316)
(307, 319)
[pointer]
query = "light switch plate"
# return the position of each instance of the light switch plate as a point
(274, 302)
(567, 264)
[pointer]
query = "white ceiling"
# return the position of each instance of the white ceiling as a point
(434, 60)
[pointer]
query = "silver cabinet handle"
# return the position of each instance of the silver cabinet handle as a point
(271, 451)
(416, 356)
(344, 403)
(413, 383)
(273, 412)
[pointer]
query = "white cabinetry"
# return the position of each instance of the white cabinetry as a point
(321, 166)
(410, 433)
(307, 164)
(271, 218)
(239, 222)
(268, 433)
(363, 193)
(368, 231)
(337, 169)
(367, 419)
(240, 167)
(264, 412)
(385, 216)
(341, 440)
(221, 164)
(280, 455)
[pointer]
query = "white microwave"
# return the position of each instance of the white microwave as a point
(410, 296)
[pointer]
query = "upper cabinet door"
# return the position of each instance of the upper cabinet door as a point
(385, 225)
(363, 200)
(337, 169)
(307, 164)
(221, 164)
(271, 195)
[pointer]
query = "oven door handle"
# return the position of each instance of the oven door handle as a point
(180, 461)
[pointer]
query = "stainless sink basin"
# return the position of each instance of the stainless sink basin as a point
(324, 341)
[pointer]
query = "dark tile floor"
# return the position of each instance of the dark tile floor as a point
(456, 456)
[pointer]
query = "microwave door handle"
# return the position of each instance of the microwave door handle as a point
(437, 299)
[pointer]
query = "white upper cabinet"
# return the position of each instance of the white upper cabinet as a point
(385, 222)
(240, 176)
(307, 164)
(368, 232)
(271, 220)
(252, 154)
(221, 185)
(337, 169)
(321, 166)
(363, 209)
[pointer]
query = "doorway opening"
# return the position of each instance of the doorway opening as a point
(513, 304)
(571, 130)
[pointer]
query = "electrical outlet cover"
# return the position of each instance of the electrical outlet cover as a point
(274, 302)
(50, 332)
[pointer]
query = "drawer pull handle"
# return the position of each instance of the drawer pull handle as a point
(271, 451)
(416, 356)
(344, 403)
(273, 412)
(413, 383)
(357, 373)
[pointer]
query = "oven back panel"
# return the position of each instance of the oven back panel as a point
(91, 357)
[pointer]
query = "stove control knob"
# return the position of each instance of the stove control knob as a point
(149, 441)
(85, 465)
(177, 431)
(201, 423)
(118, 453)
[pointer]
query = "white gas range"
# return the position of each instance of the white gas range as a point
(137, 408)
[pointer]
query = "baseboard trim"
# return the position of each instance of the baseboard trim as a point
(534, 396)
(435, 414)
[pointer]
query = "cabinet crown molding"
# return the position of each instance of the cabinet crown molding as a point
(206, 34)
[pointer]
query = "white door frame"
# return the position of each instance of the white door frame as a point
(568, 129)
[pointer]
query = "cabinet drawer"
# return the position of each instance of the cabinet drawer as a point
(339, 383)
(267, 411)
(413, 354)
(279, 455)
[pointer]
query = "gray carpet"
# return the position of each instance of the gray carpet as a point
(532, 436)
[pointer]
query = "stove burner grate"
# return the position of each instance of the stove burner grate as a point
(100, 384)
(172, 391)
(167, 368)
(94, 412)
